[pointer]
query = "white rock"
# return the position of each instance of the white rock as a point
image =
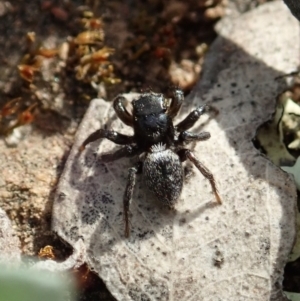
(202, 251)
(10, 252)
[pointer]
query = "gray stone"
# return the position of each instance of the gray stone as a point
(201, 251)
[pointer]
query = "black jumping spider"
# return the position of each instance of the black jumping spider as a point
(161, 142)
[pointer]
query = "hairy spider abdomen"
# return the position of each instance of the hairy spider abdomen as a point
(163, 174)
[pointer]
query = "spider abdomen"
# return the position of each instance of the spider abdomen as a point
(163, 174)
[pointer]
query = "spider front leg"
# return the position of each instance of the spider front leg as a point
(191, 119)
(110, 135)
(121, 111)
(132, 172)
(176, 103)
(187, 154)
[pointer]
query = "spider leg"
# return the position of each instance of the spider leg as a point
(121, 111)
(126, 151)
(132, 172)
(176, 103)
(186, 136)
(191, 119)
(110, 135)
(187, 154)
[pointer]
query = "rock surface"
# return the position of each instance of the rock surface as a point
(9, 243)
(29, 173)
(201, 251)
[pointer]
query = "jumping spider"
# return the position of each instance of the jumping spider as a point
(161, 142)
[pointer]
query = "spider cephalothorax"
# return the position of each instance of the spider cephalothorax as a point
(160, 141)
